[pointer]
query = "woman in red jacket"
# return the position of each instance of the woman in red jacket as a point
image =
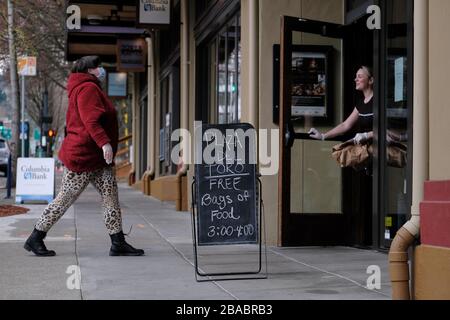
(87, 153)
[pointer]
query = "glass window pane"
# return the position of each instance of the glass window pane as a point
(397, 110)
(222, 79)
(316, 178)
(123, 107)
(224, 74)
(232, 71)
(238, 67)
(212, 82)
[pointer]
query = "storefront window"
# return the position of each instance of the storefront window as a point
(169, 117)
(221, 79)
(398, 110)
(169, 75)
(225, 74)
(123, 107)
(144, 136)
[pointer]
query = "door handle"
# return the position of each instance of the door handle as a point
(289, 135)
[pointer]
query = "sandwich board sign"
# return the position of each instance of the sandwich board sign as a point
(35, 179)
(226, 191)
(227, 202)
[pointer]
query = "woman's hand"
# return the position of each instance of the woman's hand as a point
(107, 153)
(315, 134)
(361, 138)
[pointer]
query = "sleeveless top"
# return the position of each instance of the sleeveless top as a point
(365, 119)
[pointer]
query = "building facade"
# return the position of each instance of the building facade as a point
(224, 61)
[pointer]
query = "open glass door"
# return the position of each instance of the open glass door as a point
(320, 203)
(312, 210)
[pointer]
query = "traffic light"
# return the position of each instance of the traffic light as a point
(51, 133)
(51, 138)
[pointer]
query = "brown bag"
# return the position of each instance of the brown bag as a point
(397, 155)
(349, 154)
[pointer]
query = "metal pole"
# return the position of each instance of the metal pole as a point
(9, 178)
(22, 121)
(15, 99)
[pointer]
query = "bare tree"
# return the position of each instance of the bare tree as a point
(39, 30)
(14, 90)
(45, 38)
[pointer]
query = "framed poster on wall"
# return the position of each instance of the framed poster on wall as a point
(311, 85)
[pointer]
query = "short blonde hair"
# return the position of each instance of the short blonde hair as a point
(368, 70)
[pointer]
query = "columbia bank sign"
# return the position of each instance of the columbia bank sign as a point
(35, 179)
(35, 173)
(155, 5)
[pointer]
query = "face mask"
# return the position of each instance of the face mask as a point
(101, 74)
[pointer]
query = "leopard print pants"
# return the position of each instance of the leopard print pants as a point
(72, 186)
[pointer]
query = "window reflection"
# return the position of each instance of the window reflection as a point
(226, 82)
(397, 111)
(222, 79)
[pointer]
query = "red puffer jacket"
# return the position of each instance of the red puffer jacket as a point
(91, 122)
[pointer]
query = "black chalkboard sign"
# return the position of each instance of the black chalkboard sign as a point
(225, 178)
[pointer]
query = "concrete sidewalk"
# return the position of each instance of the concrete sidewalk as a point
(166, 271)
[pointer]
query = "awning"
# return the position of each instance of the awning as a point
(102, 23)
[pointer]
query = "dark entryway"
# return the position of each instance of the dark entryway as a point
(357, 185)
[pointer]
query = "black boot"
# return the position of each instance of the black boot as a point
(35, 243)
(119, 247)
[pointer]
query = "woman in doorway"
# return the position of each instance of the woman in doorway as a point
(361, 118)
(361, 123)
(87, 153)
